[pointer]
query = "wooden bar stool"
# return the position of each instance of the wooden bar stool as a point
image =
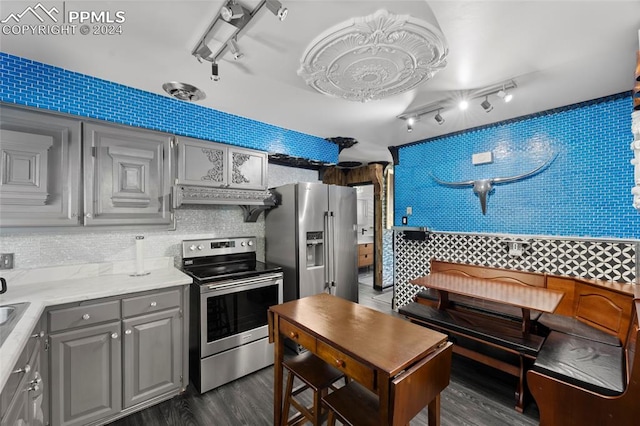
(411, 391)
(316, 375)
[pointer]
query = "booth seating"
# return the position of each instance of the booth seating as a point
(581, 381)
(490, 332)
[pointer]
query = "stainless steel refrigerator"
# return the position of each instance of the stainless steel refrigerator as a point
(312, 235)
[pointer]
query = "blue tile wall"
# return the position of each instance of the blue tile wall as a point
(585, 192)
(35, 84)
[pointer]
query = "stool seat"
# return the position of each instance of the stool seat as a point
(353, 405)
(316, 375)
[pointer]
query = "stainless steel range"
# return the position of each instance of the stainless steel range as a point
(230, 296)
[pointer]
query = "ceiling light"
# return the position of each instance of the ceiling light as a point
(235, 51)
(410, 122)
(183, 91)
(214, 72)
(439, 119)
(464, 104)
(505, 96)
(276, 8)
(231, 11)
(486, 105)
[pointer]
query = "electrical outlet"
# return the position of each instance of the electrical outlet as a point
(409, 211)
(6, 260)
(404, 220)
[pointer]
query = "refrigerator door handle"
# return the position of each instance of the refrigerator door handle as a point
(333, 250)
(327, 285)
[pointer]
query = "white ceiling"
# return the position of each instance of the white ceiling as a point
(558, 52)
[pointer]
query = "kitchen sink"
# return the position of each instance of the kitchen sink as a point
(9, 317)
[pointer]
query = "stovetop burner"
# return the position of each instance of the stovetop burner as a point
(222, 259)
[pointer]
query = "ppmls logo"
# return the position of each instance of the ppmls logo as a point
(43, 20)
(39, 11)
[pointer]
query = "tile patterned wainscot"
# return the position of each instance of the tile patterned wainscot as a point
(46, 287)
(596, 259)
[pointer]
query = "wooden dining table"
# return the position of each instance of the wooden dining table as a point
(520, 295)
(369, 346)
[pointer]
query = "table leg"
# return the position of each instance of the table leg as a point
(526, 320)
(443, 299)
(433, 412)
(384, 395)
(278, 348)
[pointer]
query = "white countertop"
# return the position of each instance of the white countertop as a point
(58, 285)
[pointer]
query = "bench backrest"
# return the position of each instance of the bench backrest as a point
(413, 389)
(518, 277)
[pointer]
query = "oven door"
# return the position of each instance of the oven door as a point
(234, 312)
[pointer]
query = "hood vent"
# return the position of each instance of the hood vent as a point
(252, 202)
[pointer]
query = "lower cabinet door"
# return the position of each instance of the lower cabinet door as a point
(86, 374)
(152, 355)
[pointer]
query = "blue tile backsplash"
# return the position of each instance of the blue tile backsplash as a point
(35, 84)
(585, 192)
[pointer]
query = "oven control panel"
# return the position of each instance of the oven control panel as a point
(218, 246)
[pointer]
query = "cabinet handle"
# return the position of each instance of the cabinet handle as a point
(114, 335)
(127, 331)
(88, 215)
(37, 380)
(153, 304)
(38, 335)
(293, 335)
(86, 316)
(33, 387)
(26, 369)
(340, 363)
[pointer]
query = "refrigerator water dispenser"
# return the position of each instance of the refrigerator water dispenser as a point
(315, 249)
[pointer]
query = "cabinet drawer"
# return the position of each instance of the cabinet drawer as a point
(150, 303)
(365, 248)
(365, 260)
(352, 368)
(297, 335)
(80, 316)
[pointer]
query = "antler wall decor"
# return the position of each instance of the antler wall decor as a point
(482, 187)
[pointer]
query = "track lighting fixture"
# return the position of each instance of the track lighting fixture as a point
(463, 105)
(214, 72)
(235, 51)
(276, 8)
(486, 105)
(504, 95)
(439, 118)
(231, 11)
(410, 122)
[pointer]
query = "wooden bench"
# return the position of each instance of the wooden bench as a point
(490, 332)
(577, 381)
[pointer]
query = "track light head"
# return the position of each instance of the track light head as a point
(214, 72)
(439, 118)
(277, 9)
(410, 122)
(486, 105)
(463, 105)
(233, 47)
(505, 96)
(231, 11)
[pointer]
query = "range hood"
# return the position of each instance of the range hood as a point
(252, 202)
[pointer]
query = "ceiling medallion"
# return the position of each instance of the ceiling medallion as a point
(374, 57)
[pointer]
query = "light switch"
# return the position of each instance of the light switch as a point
(409, 211)
(482, 158)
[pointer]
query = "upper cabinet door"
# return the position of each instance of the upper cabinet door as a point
(126, 176)
(202, 163)
(247, 169)
(39, 169)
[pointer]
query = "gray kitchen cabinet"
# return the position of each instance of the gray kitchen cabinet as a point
(210, 164)
(39, 169)
(152, 356)
(86, 375)
(127, 176)
(23, 398)
(111, 357)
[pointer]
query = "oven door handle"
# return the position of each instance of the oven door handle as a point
(240, 283)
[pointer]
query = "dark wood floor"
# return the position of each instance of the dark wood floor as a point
(477, 395)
